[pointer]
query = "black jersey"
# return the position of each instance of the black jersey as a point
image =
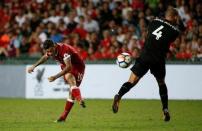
(160, 35)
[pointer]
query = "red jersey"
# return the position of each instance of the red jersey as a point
(64, 50)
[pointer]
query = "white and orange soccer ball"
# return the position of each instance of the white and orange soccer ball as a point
(124, 60)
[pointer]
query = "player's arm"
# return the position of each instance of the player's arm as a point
(180, 24)
(68, 67)
(43, 59)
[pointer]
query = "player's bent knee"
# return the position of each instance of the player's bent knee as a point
(133, 79)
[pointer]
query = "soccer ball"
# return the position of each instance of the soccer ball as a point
(124, 60)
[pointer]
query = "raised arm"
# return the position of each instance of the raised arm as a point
(180, 24)
(43, 59)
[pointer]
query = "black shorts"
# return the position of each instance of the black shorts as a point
(142, 65)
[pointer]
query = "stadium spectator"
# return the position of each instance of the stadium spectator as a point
(138, 5)
(57, 19)
(80, 30)
(184, 52)
(4, 42)
(91, 25)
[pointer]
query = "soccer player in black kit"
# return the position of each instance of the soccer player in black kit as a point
(161, 32)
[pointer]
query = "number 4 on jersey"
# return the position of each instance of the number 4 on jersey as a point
(158, 32)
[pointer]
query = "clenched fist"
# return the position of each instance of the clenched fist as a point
(51, 78)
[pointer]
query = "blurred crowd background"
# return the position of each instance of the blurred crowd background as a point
(99, 29)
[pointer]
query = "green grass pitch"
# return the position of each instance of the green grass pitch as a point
(134, 115)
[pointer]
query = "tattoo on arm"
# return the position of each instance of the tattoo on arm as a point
(66, 69)
(43, 59)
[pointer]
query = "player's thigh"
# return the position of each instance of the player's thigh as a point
(70, 79)
(133, 78)
(140, 68)
(78, 74)
(159, 71)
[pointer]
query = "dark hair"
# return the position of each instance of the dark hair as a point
(47, 44)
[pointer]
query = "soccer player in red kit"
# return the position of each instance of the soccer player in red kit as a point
(72, 70)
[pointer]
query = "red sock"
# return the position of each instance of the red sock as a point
(76, 94)
(68, 107)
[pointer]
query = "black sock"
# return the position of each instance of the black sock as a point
(164, 95)
(125, 88)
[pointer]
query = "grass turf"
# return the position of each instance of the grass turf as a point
(134, 115)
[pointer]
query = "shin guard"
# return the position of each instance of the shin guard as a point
(68, 106)
(76, 94)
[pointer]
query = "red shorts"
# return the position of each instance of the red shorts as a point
(78, 72)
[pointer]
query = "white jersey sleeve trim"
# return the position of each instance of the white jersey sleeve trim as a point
(66, 56)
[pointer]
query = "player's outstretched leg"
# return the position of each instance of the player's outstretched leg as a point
(123, 90)
(68, 107)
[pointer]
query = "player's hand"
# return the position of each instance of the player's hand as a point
(52, 78)
(31, 69)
